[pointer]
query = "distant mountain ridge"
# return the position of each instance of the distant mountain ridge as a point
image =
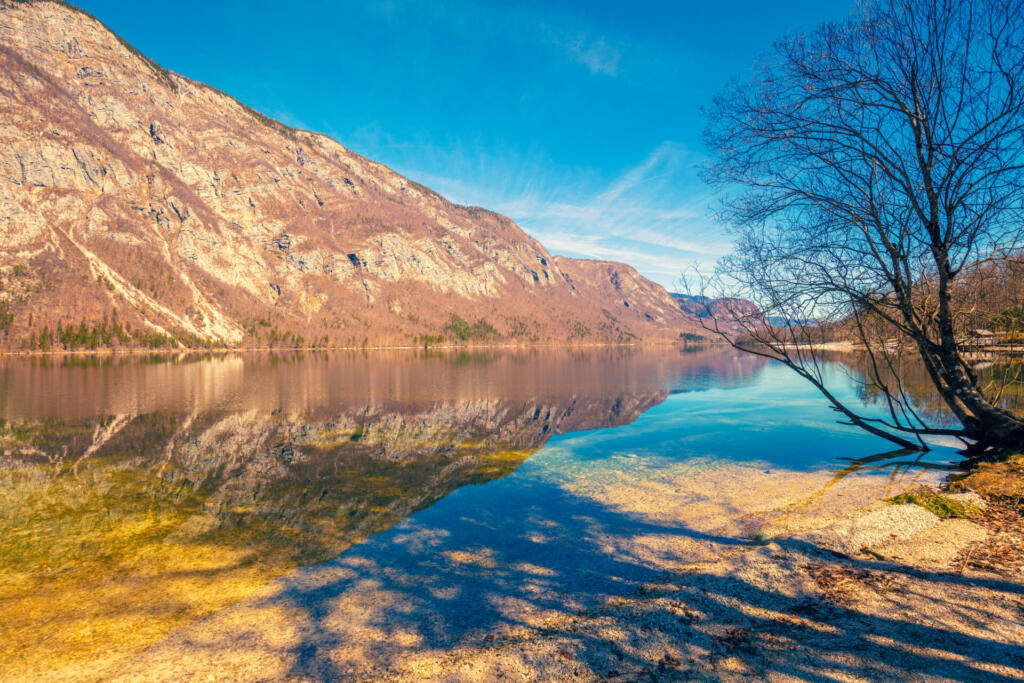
(727, 314)
(140, 208)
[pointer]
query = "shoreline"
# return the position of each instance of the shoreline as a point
(134, 351)
(836, 347)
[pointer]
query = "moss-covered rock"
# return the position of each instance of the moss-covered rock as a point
(938, 504)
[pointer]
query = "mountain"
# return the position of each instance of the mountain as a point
(138, 207)
(728, 314)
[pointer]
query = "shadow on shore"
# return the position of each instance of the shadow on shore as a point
(489, 583)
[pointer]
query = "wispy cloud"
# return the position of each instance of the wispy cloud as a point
(655, 215)
(595, 54)
(600, 53)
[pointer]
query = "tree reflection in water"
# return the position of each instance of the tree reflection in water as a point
(1001, 375)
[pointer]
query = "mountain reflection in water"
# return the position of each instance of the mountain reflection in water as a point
(138, 495)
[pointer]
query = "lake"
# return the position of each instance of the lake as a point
(140, 495)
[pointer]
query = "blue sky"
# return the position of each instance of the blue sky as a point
(578, 119)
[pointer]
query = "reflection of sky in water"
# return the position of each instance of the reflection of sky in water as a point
(774, 421)
(778, 419)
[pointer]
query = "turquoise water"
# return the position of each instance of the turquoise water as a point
(182, 486)
(554, 534)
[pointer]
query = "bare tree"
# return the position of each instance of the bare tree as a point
(870, 170)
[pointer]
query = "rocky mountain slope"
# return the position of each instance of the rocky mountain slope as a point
(138, 207)
(729, 315)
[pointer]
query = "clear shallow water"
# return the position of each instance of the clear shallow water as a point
(138, 496)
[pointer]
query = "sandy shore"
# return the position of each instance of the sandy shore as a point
(732, 572)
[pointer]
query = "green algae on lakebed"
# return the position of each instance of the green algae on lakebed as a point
(937, 504)
(105, 551)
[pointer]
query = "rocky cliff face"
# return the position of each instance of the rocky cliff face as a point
(160, 211)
